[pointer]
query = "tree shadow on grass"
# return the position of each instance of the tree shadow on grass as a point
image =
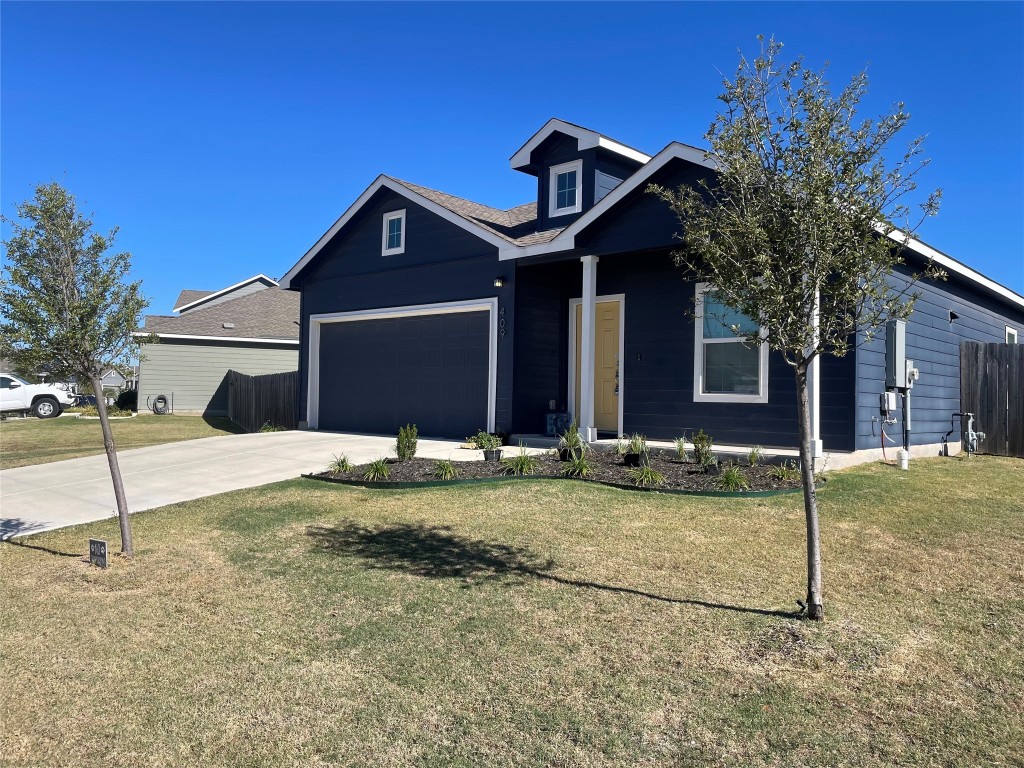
(15, 526)
(437, 552)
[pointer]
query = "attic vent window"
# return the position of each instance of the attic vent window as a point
(227, 325)
(393, 235)
(564, 197)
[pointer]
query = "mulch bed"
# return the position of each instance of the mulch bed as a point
(605, 466)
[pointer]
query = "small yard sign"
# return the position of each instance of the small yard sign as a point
(98, 552)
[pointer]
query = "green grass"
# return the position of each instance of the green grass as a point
(529, 624)
(39, 441)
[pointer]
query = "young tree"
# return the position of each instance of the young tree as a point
(65, 305)
(796, 227)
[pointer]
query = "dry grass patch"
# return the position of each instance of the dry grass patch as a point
(529, 624)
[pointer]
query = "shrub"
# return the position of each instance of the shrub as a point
(732, 479)
(680, 443)
(522, 464)
(445, 470)
(755, 455)
(92, 410)
(785, 472)
(703, 448)
(570, 440)
(340, 464)
(270, 427)
(377, 471)
(485, 441)
(638, 444)
(646, 476)
(405, 446)
(128, 400)
(577, 465)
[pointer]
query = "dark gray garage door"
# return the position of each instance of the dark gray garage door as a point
(428, 370)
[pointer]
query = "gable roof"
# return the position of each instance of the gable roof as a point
(210, 295)
(267, 315)
(585, 139)
(188, 297)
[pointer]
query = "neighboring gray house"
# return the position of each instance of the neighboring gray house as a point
(251, 327)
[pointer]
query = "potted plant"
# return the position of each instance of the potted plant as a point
(489, 444)
(637, 453)
(570, 443)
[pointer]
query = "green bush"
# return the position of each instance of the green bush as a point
(128, 400)
(522, 464)
(646, 476)
(377, 471)
(732, 479)
(445, 470)
(703, 448)
(405, 446)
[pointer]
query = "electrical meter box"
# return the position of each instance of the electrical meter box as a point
(896, 355)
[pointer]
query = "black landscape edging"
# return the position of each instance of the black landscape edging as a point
(506, 478)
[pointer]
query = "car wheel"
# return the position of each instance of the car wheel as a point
(45, 408)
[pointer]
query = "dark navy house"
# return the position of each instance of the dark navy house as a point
(417, 306)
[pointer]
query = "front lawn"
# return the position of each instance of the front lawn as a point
(528, 624)
(39, 441)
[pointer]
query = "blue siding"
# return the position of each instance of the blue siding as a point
(933, 343)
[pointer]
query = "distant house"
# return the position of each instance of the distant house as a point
(251, 327)
(419, 306)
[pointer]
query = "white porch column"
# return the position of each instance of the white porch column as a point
(814, 390)
(588, 296)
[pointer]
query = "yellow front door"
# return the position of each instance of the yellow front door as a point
(606, 364)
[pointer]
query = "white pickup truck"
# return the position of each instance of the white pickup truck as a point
(44, 400)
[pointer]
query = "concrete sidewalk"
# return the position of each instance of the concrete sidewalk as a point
(47, 496)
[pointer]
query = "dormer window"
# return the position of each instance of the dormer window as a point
(565, 195)
(393, 237)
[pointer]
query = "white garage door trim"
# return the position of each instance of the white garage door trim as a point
(446, 308)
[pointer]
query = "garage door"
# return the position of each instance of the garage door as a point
(430, 370)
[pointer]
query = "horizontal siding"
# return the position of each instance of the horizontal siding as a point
(238, 293)
(195, 374)
(933, 343)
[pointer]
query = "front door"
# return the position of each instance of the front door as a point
(607, 317)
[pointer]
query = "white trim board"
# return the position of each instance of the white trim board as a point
(585, 139)
(386, 182)
(243, 339)
(222, 291)
(472, 305)
(571, 399)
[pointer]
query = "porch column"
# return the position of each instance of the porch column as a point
(588, 296)
(814, 390)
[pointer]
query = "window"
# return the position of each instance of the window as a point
(5, 382)
(393, 237)
(565, 188)
(1011, 335)
(726, 368)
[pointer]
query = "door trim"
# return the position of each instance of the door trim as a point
(573, 303)
(382, 313)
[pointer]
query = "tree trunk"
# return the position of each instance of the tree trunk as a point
(115, 471)
(815, 608)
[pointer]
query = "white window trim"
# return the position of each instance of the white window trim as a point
(384, 250)
(1016, 335)
(699, 395)
(571, 399)
(553, 171)
(473, 305)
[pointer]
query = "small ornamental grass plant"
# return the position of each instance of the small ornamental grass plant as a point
(570, 440)
(755, 456)
(269, 426)
(405, 445)
(577, 465)
(340, 464)
(733, 479)
(521, 464)
(681, 452)
(445, 469)
(377, 471)
(646, 476)
(785, 472)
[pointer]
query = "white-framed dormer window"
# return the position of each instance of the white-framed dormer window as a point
(565, 194)
(726, 367)
(1011, 335)
(393, 237)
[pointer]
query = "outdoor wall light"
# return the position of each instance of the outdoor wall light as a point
(499, 281)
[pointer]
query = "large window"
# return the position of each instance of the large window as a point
(393, 237)
(565, 188)
(726, 367)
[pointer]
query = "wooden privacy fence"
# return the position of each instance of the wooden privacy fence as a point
(992, 388)
(256, 400)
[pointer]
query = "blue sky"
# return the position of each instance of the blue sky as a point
(224, 138)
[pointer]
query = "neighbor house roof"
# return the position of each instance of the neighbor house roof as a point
(269, 315)
(188, 296)
(198, 298)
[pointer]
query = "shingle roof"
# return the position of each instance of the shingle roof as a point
(267, 314)
(188, 296)
(517, 225)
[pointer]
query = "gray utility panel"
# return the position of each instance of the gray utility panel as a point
(428, 370)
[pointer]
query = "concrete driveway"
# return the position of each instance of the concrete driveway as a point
(48, 496)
